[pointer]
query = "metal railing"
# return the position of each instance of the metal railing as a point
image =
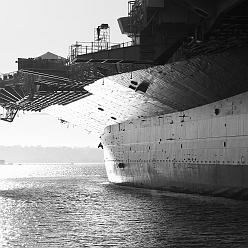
(82, 48)
(8, 76)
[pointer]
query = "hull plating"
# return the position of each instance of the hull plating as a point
(216, 180)
(202, 150)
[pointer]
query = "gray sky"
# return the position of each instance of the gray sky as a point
(30, 28)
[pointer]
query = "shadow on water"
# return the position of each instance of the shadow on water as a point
(185, 220)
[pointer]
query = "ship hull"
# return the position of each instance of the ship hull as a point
(213, 180)
(202, 150)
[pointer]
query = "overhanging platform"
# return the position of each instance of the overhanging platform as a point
(34, 91)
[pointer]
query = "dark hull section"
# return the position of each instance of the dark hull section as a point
(228, 181)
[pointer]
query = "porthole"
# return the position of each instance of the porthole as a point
(217, 111)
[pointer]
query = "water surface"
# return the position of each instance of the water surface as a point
(73, 205)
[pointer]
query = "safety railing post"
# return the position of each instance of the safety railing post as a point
(76, 50)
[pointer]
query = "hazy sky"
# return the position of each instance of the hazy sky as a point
(36, 129)
(30, 28)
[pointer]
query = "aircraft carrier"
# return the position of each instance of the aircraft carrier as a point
(171, 106)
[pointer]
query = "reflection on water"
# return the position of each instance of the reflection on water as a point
(74, 206)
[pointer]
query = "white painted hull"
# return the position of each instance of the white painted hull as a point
(202, 150)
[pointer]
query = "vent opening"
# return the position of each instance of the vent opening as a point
(132, 87)
(134, 82)
(143, 86)
(217, 111)
(121, 165)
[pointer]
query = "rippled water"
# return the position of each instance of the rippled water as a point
(74, 206)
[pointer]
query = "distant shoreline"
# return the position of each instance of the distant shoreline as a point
(38, 154)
